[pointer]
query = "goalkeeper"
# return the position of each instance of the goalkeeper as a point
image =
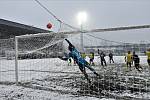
(82, 63)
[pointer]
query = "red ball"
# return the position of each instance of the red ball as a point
(49, 25)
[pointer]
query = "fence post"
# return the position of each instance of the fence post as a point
(16, 59)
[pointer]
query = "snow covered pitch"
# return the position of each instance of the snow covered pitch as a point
(52, 78)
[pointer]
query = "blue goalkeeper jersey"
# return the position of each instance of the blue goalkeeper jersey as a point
(77, 57)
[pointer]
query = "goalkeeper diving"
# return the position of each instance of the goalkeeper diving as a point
(81, 62)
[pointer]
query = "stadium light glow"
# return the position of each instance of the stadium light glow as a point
(81, 17)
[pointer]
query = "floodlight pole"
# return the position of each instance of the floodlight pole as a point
(81, 36)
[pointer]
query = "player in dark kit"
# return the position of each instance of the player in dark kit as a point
(111, 57)
(81, 62)
(102, 57)
(136, 61)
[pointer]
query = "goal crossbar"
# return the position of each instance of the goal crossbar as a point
(35, 35)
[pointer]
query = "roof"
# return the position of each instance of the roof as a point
(10, 29)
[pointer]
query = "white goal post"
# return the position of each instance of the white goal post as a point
(16, 59)
(37, 46)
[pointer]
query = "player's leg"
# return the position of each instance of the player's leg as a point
(105, 62)
(130, 65)
(82, 69)
(93, 62)
(90, 61)
(109, 60)
(137, 66)
(101, 62)
(148, 62)
(112, 60)
(90, 68)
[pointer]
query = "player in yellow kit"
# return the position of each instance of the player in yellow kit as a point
(91, 56)
(148, 56)
(83, 55)
(128, 59)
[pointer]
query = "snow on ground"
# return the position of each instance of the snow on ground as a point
(53, 79)
(14, 92)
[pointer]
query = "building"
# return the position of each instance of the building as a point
(9, 29)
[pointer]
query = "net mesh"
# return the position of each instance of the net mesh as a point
(40, 68)
(52, 42)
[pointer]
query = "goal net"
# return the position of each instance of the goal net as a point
(116, 79)
(33, 53)
(38, 64)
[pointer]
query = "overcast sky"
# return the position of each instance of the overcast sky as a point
(101, 14)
